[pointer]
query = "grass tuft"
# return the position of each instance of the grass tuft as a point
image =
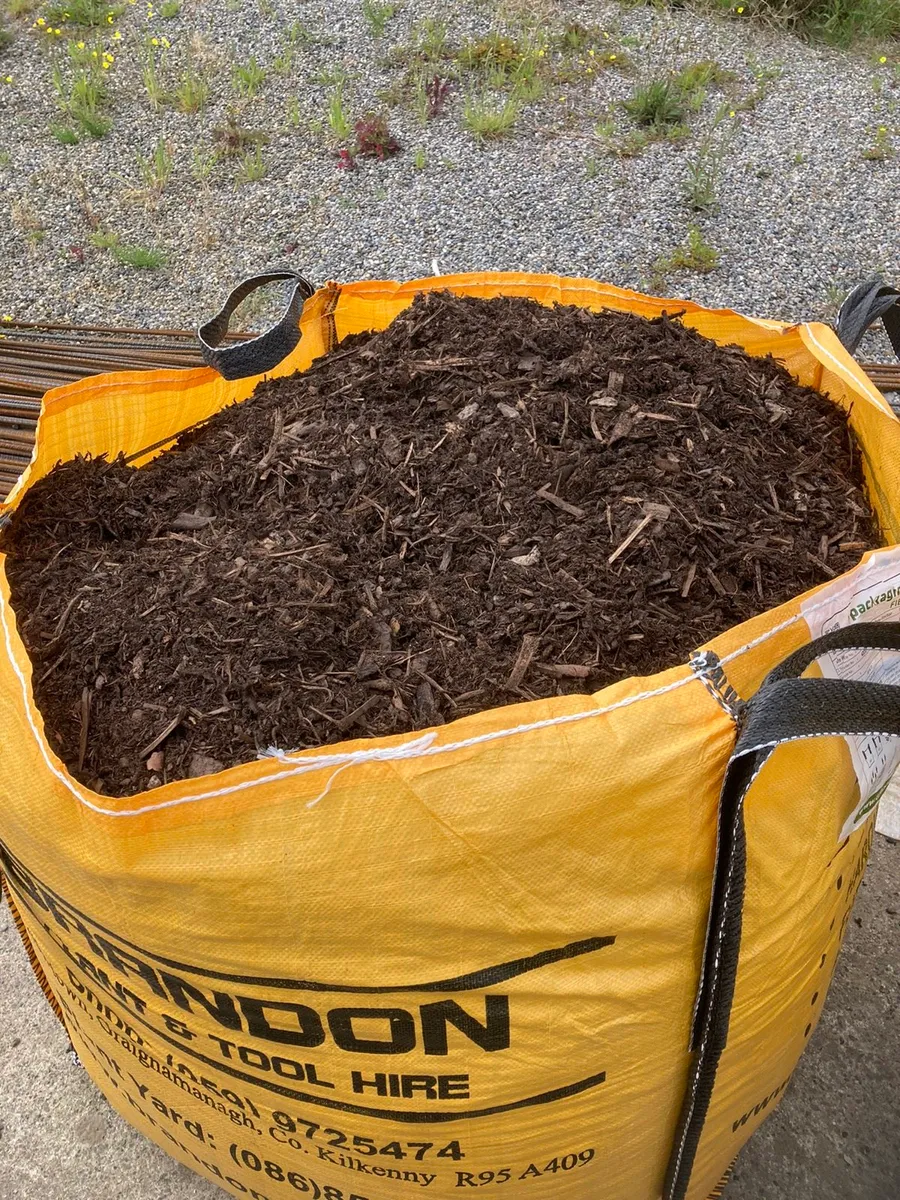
(252, 167)
(83, 12)
(487, 120)
(657, 104)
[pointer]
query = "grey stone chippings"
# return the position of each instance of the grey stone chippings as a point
(793, 235)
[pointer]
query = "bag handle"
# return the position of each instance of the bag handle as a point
(256, 355)
(862, 308)
(786, 708)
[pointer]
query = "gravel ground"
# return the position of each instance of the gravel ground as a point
(802, 216)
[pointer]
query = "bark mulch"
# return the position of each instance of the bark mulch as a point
(487, 502)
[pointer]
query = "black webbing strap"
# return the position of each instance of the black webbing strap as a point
(257, 355)
(862, 308)
(786, 708)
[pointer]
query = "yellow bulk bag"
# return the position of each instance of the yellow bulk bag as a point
(546, 950)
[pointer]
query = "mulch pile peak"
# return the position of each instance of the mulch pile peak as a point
(489, 501)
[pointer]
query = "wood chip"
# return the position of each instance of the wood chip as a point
(85, 723)
(161, 737)
(652, 512)
(185, 521)
(573, 510)
(565, 670)
(527, 651)
(688, 580)
(274, 442)
(622, 428)
(819, 562)
(353, 718)
(715, 581)
(531, 559)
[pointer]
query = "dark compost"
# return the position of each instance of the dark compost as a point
(487, 502)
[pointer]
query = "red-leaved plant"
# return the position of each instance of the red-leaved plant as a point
(374, 139)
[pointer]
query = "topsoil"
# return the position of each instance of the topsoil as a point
(487, 502)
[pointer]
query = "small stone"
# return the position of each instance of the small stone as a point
(156, 761)
(203, 764)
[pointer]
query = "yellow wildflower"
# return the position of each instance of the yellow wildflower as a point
(154, 41)
(105, 66)
(612, 58)
(79, 45)
(9, 79)
(40, 21)
(166, 43)
(590, 53)
(883, 59)
(6, 318)
(117, 36)
(731, 113)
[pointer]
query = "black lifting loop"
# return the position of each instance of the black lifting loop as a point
(257, 355)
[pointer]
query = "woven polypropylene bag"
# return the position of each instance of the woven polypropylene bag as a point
(461, 958)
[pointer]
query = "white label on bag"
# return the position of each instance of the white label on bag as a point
(871, 592)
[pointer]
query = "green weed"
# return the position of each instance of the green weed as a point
(420, 159)
(234, 140)
(27, 221)
(170, 9)
(157, 95)
(377, 15)
(64, 134)
(881, 147)
(696, 255)
(82, 96)
(191, 93)
(487, 120)
(704, 170)
(704, 74)
(337, 115)
(657, 104)
(156, 170)
(251, 168)
(296, 36)
(838, 21)
(248, 78)
(428, 44)
(203, 163)
(138, 257)
(83, 12)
